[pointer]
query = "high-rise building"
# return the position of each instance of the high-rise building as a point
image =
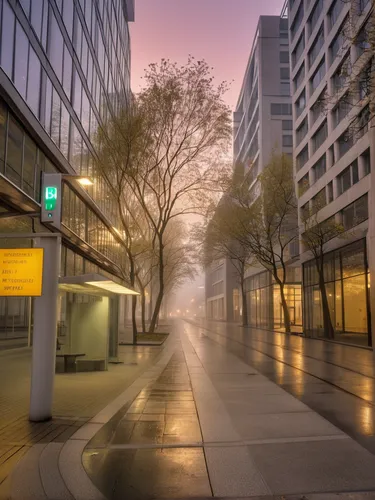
(64, 71)
(262, 125)
(332, 156)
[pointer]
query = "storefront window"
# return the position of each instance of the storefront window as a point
(264, 301)
(346, 290)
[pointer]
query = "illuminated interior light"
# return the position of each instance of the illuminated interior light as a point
(85, 181)
(113, 287)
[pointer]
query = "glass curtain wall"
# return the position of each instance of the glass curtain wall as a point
(347, 286)
(264, 301)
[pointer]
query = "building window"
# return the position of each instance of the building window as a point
(303, 185)
(55, 47)
(348, 178)
(297, 21)
(341, 75)
(366, 162)
(67, 72)
(355, 213)
(341, 110)
(29, 163)
(14, 152)
(298, 51)
(285, 73)
(281, 109)
(338, 41)
(287, 124)
(285, 88)
(319, 169)
(318, 76)
(330, 192)
(364, 84)
(68, 11)
(331, 152)
(299, 77)
(320, 136)
(302, 131)
(345, 142)
(334, 12)
(344, 181)
(302, 158)
(362, 5)
(287, 140)
(362, 122)
(33, 82)
(7, 39)
(319, 201)
(300, 103)
(21, 58)
(318, 109)
(316, 46)
(362, 40)
(346, 290)
(284, 57)
(315, 14)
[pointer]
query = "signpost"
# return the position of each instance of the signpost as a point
(21, 272)
(51, 200)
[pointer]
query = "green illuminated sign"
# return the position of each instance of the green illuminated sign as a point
(50, 198)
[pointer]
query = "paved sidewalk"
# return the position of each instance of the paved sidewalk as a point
(200, 423)
(336, 381)
(77, 398)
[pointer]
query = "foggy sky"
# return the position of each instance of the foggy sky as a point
(220, 31)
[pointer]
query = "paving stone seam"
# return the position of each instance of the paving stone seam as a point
(186, 344)
(371, 404)
(225, 444)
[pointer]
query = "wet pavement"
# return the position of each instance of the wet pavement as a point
(237, 415)
(336, 381)
(153, 448)
(223, 412)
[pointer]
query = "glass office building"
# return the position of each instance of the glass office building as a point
(64, 71)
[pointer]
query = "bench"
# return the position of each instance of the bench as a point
(70, 361)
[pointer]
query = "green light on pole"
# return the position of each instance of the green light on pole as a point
(50, 198)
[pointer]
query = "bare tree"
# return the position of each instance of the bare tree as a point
(268, 221)
(221, 238)
(189, 127)
(122, 147)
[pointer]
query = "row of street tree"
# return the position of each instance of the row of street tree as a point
(257, 225)
(162, 157)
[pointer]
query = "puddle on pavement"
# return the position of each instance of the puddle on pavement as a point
(124, 459)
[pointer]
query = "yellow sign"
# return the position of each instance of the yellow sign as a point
(21, 272)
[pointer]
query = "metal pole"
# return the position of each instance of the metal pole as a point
(44, 332)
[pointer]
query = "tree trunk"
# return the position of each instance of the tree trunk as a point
(134, 302)
(327, 322)
(159, 299)
(143, 310)
(134, 319)
(285, 309)
(244, 306)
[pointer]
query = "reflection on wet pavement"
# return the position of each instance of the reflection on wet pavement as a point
(334, 380)
(152, 448)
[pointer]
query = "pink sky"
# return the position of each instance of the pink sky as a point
(219, 31)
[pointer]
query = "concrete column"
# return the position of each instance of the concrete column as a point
(44, 335)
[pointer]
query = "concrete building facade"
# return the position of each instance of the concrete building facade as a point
(263, 125)
(332, 157)
(64, 71)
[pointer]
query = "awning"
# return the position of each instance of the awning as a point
(94, 284)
